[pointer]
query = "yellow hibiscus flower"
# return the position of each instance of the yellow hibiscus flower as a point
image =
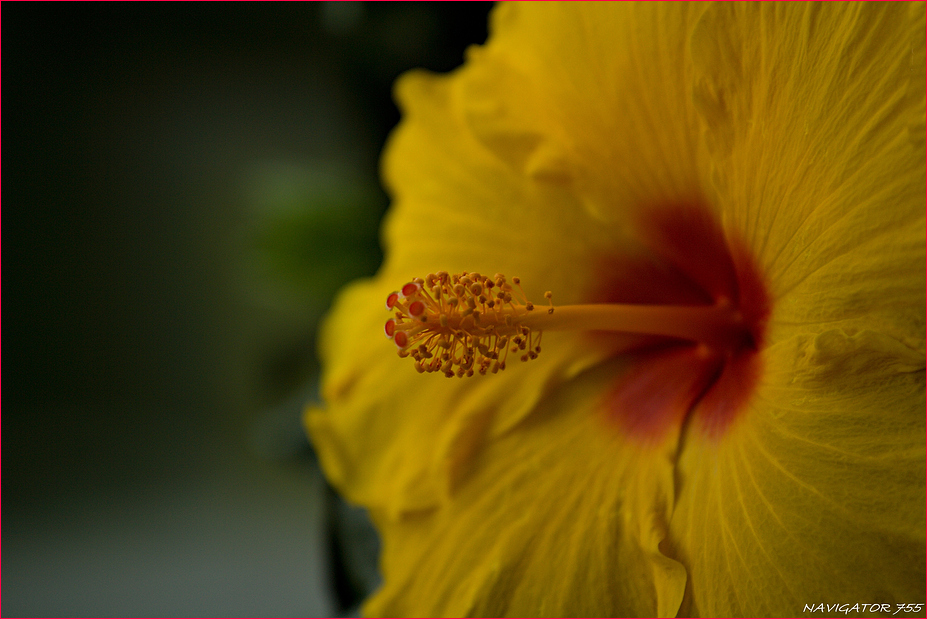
(751, 173)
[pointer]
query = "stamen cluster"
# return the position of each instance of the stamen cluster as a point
(458, 324)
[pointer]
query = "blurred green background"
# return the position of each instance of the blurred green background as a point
(185, 186)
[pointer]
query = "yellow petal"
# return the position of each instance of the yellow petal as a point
(818, 495)
(457, 207)
(559, 519)
(592, 95)
(809, 112)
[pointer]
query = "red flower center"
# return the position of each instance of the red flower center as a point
(673, 381)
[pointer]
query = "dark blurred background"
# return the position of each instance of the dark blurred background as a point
(185, 187)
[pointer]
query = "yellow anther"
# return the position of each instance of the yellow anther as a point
(456, 324)
(549, 296)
